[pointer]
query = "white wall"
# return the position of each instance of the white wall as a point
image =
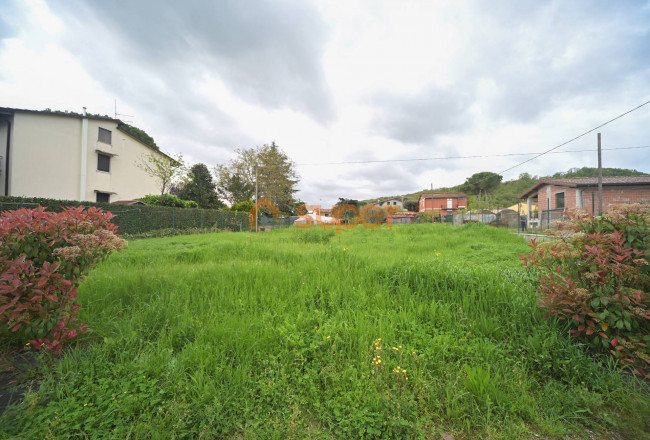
(46, 160)
(125, 178)
(45, 155)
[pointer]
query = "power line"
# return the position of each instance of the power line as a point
(465, 157)
(577, 137)
(500, 155)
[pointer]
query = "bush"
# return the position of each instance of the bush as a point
(43, 257)
(596, 276)
(245, 206)
(136, 220)
(169, 200)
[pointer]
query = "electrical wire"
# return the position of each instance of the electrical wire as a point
(577, 137)
(537, 155)
(465, 157)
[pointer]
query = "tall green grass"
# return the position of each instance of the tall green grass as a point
(273, 336)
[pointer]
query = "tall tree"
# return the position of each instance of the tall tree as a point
(201, 188)
(167, 171)
(483, 182)
(276, 176)
(232, 187)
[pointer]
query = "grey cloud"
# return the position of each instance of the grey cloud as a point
(549, 53)
(421, 118)
(364, 181)
(152, 54)
(267, 51)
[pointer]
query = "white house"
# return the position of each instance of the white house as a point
(71, 157)
(390, 202)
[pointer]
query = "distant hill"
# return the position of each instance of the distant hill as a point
(593, 172)
(507, 192)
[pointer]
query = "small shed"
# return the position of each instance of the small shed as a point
(402, 218)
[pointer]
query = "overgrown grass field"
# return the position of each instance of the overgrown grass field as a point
(416, 331)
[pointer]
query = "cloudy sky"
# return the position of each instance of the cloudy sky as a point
(347, 81)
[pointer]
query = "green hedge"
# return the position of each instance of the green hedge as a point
(137, 219)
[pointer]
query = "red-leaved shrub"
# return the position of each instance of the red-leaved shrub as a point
(43, 258)
(596, 275)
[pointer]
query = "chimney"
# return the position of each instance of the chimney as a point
(84, 111)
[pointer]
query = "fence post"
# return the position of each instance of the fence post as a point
(548, 218)
(593, 204)
(173, 218)
(201, 219)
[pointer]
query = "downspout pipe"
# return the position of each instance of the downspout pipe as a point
(84, 157)
(7, 157)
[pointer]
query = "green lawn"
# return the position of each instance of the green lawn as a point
(275, 336)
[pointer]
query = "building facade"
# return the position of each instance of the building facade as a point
(71, 157)
(442, 203)
(396, 203)
(554, 196)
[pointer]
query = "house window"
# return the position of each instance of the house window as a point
(105, 136)
(103, 162)
(559, 200)
(103, 197)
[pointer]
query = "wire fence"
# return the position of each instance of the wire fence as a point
(539, 221)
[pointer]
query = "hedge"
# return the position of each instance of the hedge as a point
(137, 219)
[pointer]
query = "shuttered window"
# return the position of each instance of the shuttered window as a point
(105, 136)
(103, 197)
(103, 162)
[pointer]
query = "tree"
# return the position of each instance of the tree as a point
(346, 209)
(412, 205)
(233, 187)
(276, 177)
(201, 188)
(167, 170)
(244, 206)
(483, 182)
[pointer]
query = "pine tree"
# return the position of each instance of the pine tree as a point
(201, 188)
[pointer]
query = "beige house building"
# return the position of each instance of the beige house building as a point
(71, 157)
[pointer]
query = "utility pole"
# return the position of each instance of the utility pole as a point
(425, 201)
(257, 200)
(600, 179)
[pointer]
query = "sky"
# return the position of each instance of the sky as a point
(372, 82)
